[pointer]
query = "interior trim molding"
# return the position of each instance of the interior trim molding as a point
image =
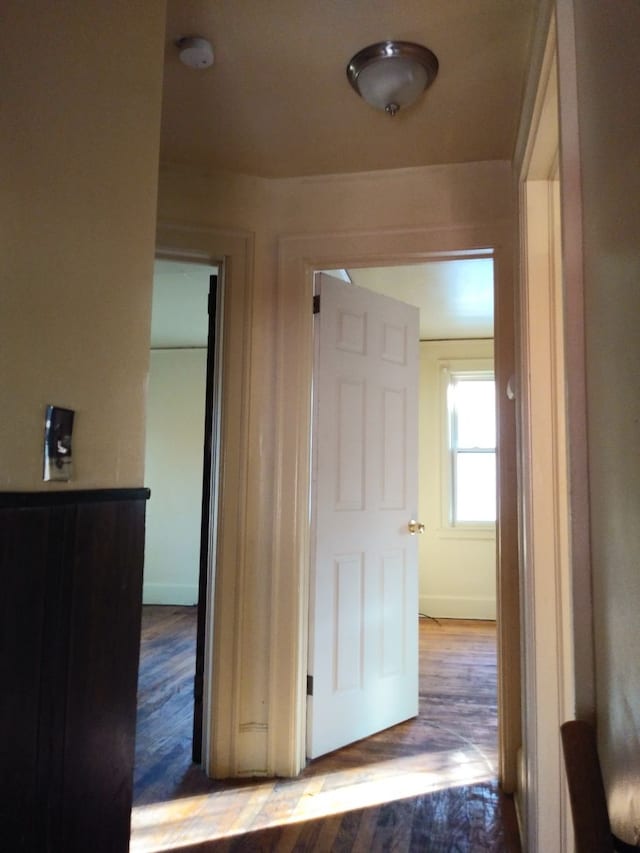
(183, 594)
(298, 257)
(225, 752)
(575, 356)
(546, 604)
(18, 500)
(459, 607)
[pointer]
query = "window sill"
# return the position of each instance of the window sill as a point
(467, 532)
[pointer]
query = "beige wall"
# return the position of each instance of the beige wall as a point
(608, 79)
(81, 90)
(457, 567)
(173, 472)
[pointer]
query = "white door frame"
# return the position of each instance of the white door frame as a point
(223, 673)
(552, 456)
(298, 258)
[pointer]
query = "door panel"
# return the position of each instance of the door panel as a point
(363, 650)
(350, 424)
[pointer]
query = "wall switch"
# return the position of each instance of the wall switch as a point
(58, 428)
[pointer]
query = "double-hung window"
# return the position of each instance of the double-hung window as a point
(472, 448)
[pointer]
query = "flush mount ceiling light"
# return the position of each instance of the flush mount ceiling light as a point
(195, 52)
(390, 75)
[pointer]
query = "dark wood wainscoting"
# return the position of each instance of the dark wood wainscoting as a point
(71, 566)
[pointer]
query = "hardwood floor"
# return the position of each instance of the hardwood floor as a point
(165, 705)
(428, 784)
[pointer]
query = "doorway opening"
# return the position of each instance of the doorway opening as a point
(181, 472)
(457, 574)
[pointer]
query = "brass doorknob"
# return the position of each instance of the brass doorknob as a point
(415, 527)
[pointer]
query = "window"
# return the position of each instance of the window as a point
(472, 448)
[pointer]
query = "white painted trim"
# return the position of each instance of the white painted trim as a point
(548, 678)
(468, 533)
(539, 45)
(447, 368)
(229, 740)
(182, 594)
(298, 256)
(458, 607)
(575, 347)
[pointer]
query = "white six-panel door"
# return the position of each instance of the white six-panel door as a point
(363, 641)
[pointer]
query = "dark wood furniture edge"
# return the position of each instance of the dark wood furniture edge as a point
(24, 500)
(586, 791)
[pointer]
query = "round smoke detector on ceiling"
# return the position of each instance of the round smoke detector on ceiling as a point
(195, 52)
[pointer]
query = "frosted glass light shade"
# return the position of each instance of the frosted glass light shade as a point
(391, 75)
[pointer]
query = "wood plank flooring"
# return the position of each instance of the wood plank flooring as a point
(165, 705)
(428, 784)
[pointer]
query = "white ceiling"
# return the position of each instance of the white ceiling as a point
(455, 298)
(276, 102)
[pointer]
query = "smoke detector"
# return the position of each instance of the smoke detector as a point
(195, 52)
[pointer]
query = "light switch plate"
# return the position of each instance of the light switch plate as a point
(58, 429)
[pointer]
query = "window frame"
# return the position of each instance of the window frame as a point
(450, 371)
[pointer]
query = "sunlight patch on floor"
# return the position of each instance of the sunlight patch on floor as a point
(221, 814)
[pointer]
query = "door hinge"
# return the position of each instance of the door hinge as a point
(316, 304)
(309, 685)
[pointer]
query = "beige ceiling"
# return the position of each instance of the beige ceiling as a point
(277, 102)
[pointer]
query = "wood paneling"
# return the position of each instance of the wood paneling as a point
(23, 551)
(72, 574)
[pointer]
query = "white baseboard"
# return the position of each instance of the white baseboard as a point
(458, 607)
(169, 593)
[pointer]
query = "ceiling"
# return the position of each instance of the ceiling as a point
(455, 298)
(277, 102)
